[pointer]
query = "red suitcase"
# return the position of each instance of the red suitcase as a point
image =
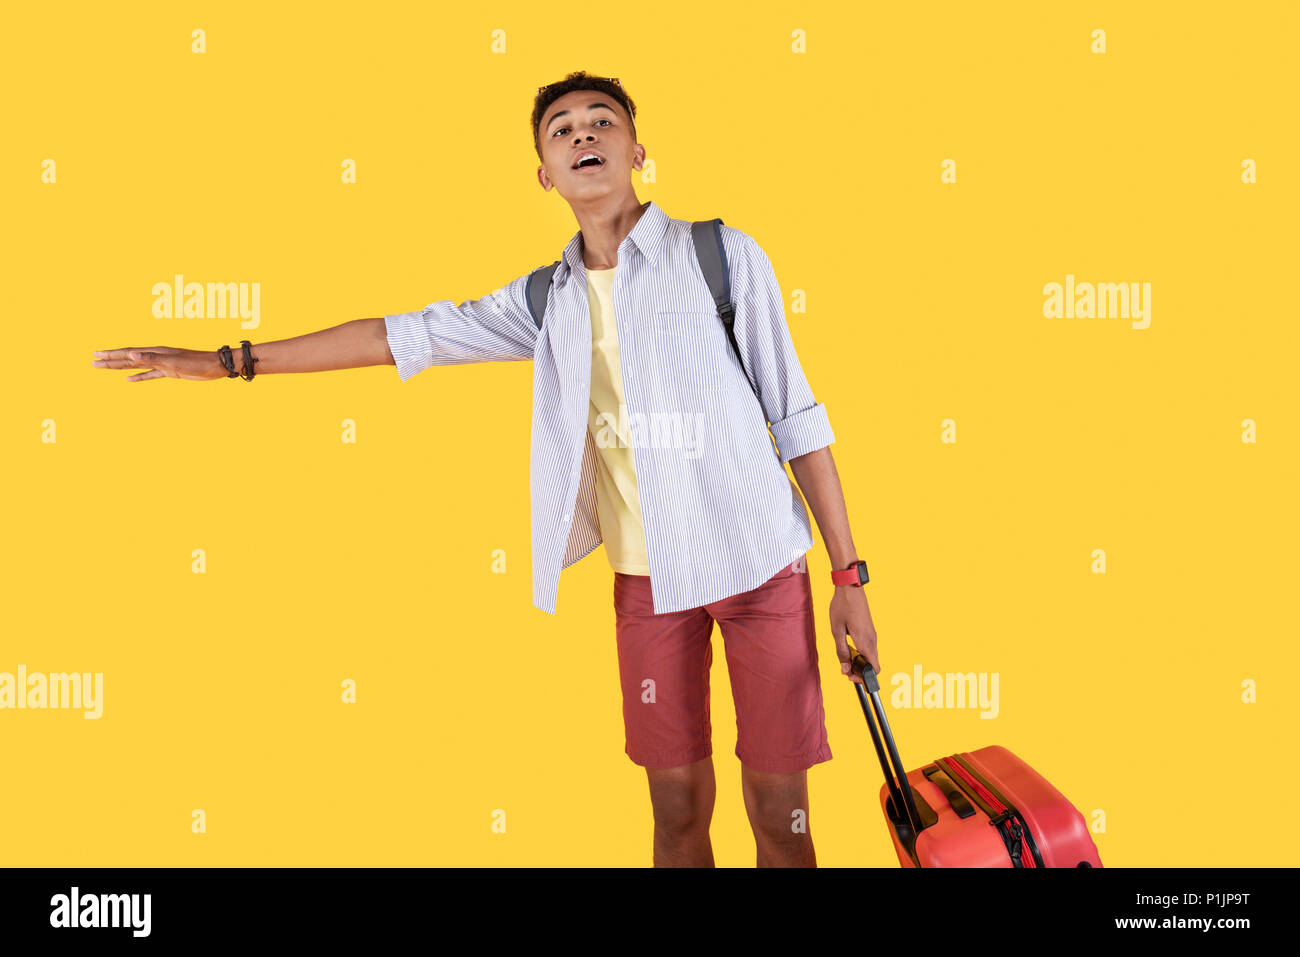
(984, 808)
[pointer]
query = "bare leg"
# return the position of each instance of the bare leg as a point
(683, 807)
(778, 813)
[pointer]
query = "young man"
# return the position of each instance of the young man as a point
(699, 520)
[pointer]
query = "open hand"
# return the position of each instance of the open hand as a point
(163, 362)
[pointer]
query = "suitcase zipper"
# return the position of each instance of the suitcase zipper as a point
(995, 818)
(1022, 826)
(1010, 827)
(1017, 831)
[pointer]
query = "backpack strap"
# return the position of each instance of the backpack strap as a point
(539, 290)
(707, 236)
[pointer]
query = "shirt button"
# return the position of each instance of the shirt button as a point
(567, 517)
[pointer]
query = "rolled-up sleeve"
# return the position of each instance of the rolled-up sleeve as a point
(497, 328)
(799, 424)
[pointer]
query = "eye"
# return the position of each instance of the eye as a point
(564, 129)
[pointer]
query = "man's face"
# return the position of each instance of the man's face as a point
(580, 123)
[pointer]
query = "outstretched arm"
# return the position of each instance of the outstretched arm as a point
(354, 344)
(497, 327)
(351, 345)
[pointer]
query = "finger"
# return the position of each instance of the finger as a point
(846, 667)
(115, 353)
(115, 364)
(867, 654)
(846, 658)
(841, 649)
(838, 630)
(144, 376)
(867, 649)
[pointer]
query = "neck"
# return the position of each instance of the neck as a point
(604, 228)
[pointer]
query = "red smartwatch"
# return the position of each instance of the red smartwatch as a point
(855, 574)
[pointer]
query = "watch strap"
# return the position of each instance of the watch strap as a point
(855, 574)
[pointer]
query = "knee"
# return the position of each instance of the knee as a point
(778, 804)
(680, 816)
(682, 802)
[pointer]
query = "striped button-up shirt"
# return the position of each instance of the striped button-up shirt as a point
(720, 513)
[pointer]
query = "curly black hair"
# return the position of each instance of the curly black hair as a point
(578, 80)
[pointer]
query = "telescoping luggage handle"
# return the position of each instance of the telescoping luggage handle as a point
(863, 669)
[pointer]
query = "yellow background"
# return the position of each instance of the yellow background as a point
(372, 561)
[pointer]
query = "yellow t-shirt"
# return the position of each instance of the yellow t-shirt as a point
(617, 504)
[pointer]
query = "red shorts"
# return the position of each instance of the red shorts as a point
(771, 648)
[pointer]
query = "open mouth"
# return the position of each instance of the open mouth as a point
(590, 161)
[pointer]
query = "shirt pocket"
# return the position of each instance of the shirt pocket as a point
(689, 348)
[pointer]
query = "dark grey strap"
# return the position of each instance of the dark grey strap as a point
(707, 236)
(539, 290)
